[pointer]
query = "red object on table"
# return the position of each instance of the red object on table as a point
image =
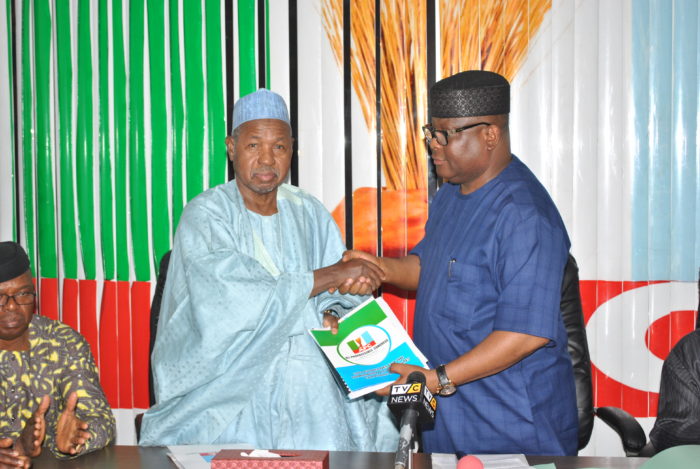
(232, 459)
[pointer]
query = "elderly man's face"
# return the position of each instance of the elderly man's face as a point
(14, 317)
(261, 155)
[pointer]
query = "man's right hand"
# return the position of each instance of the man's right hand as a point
(11, 458)
(32, 437)
(366, 277)
(403, 272)
(365, 256)
(351, 285)
(362, 277)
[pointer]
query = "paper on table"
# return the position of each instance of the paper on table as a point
(503, 461)
(443, 460)
(490, 461)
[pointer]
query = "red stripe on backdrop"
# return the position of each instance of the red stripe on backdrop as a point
(108, 356)
(402, 303)
(69, 307)
(682, 324)
(606, 390)
(48, 297)
(140, 329)
(610, 392)
(670, 329)
(124, 345)
(88, 315)
(596, 292)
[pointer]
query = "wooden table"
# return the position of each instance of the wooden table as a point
(135, 457)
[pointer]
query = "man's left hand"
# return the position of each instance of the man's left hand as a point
(71, 432)
(431, 379)
(330, 320)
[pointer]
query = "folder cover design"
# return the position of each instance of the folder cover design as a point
(370, 338)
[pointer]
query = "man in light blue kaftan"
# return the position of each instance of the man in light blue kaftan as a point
(233, 359)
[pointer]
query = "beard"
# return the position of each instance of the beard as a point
(265, 189)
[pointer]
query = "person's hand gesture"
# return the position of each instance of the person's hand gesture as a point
(403, 369)
(365, 256)
(71, 432)
(11, 457)
(32, 437)
(365, 284)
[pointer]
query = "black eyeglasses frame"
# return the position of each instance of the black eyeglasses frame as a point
(430, 132)
(5, 299)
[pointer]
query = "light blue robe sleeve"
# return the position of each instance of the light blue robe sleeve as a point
(331, 253)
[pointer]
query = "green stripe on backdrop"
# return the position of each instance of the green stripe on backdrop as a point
(28, 134)
(137, 153)
(194, 99)
(120, 141)
(246, 47)
(69, 236)
(178, 113)
(10, 81)
(106, 193)
(84, 140)
(46, 228)
(216, 114)
(159, 130)
(268, 78)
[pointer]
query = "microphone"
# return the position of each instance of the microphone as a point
(412, 403)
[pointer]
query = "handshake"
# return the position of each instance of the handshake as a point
(356, 273)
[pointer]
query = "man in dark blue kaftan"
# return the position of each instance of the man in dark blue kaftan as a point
(488, 274)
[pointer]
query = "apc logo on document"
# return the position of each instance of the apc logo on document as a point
(367, 345)
(362, 343)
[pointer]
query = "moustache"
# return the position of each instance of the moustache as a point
(265, 169)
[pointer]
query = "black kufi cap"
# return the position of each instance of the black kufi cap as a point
(470, 93)
(13, 261)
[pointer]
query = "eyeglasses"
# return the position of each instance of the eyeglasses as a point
(441, 135)
(22, 298)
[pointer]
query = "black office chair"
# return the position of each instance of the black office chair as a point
(155, 314)
(626, 426)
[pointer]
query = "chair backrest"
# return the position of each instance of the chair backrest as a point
(155, 314)
(572, 314)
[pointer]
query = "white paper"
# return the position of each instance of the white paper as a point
(503, 461)
(490, 461)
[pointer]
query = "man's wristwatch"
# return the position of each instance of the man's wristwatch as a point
(445, 386)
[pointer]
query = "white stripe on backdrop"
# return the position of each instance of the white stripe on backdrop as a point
(570, 124)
